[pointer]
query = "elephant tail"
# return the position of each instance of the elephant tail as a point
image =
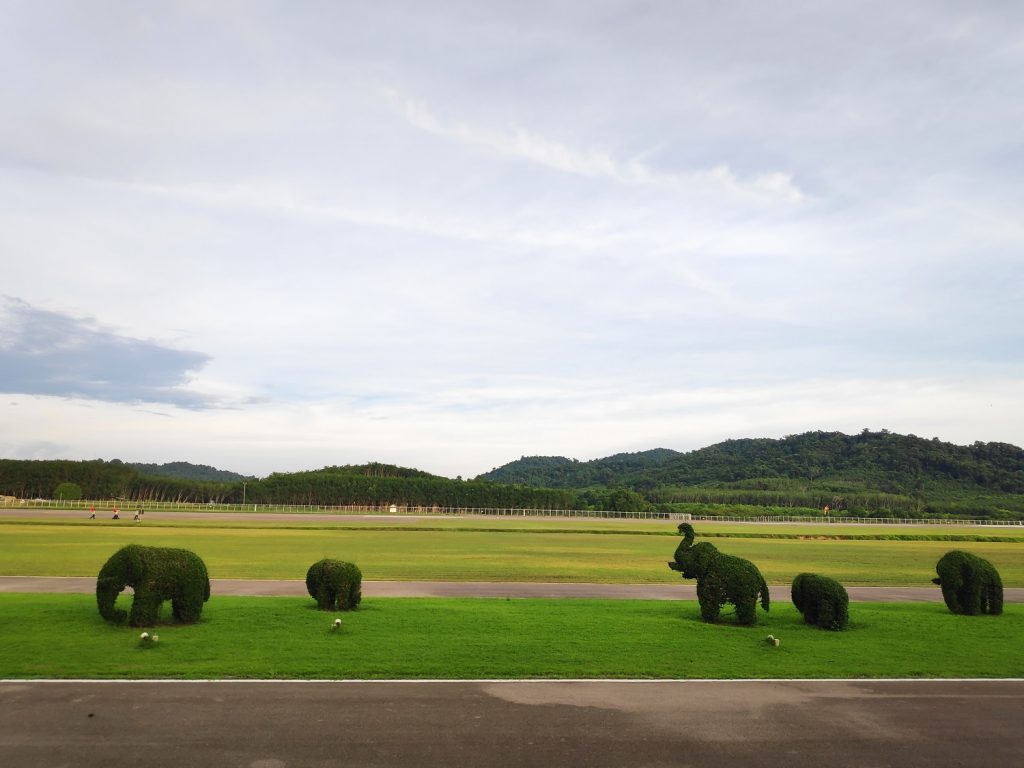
(764, 594)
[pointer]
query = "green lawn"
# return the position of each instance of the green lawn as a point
(540, 554)
(63, 636)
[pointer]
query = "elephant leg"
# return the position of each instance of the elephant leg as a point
(145, 608)
(995, 599)
(970, 601)
(187, 608)
(746, 611)
(345, 596)
(710, 604)
(827, 616)
(951, 594)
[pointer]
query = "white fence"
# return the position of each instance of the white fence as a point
(392, 509)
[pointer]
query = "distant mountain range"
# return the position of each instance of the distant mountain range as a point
(881, 461)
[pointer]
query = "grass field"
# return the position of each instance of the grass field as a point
(463, 551)
(63, 636)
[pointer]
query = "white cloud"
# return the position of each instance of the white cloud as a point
(520, 143)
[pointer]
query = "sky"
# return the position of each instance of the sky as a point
(276, 236)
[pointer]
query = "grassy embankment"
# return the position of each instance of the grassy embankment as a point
(63, 636)
(493, 550)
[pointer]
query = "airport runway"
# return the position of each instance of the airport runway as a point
(734, 724)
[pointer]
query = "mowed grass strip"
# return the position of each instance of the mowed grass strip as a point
(461, 555)
(62, 636)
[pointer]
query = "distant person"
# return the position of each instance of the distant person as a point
(116, 515)
(92, 513)
(137, 517)
(826, 510)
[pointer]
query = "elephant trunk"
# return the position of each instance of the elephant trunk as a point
(688, 533)
(107, 590)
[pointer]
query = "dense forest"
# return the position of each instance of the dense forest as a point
(872, 473)
(100, 479)
(364, 484)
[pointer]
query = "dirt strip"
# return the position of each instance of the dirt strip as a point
(103, 515)
(267, 587)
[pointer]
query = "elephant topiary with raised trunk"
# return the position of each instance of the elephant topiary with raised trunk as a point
(720, 579)
(155, 574)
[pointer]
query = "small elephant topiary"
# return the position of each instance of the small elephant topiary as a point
(155, 574)
(335, 584)
(822, 601)
(970, 584)
(720, 579)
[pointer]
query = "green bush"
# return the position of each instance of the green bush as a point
(822, 601)
(720, 579)
(335, 584)
(155, 574)
(970, 584)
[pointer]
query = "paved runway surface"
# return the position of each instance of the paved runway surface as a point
(85, 584)
(695, 723)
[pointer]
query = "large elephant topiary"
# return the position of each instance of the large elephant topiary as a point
(335, 584)
(822, 601)
(970, 584)
(720, 579)
(155, 574)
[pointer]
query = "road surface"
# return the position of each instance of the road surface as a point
(266, 587)
(788, 724)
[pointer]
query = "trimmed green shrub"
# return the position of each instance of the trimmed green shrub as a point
(155, 574)
(822, 601)
(720, 579)
(970, 584)
(335, 584)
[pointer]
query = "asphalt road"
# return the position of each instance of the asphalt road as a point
(86, 584)
(693, 723)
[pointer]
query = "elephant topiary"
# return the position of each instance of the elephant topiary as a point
(335, 584)
(822, 601)
(970, 584)
(720, 579)
(155, 574)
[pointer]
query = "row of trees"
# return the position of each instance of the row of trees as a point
(100, 479)
(340, 486)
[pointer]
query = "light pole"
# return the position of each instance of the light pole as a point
(243, 493)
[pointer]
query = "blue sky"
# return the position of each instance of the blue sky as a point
(276, 236)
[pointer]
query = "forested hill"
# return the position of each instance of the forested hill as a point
(883, 461)
(186, 471)
(560, 472)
